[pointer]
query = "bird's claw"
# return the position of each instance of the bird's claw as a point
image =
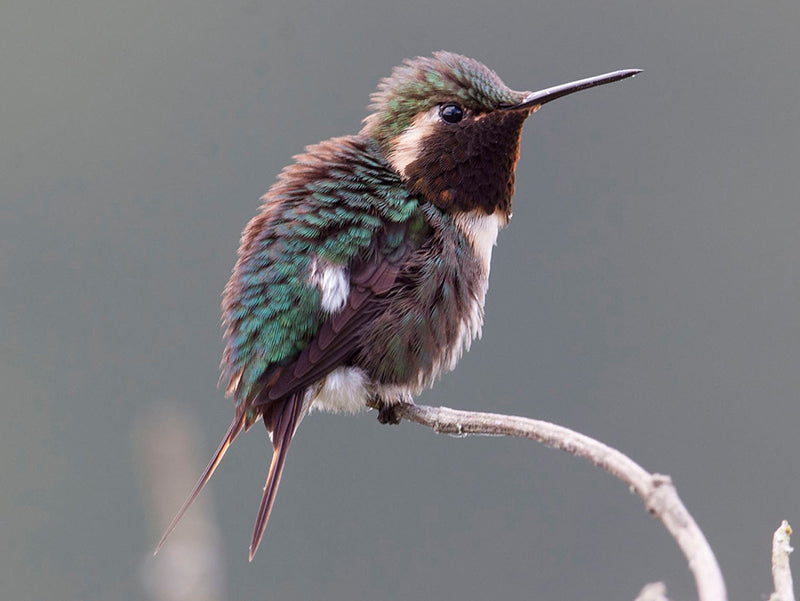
(387, 414)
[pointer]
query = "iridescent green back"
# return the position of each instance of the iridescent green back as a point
(327, 206)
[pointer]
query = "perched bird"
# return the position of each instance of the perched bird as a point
(364, 275)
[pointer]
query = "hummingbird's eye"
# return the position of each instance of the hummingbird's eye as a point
(451, 112)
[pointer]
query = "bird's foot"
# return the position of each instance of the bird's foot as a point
(388, 414)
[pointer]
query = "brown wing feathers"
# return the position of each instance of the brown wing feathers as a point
(337, 341)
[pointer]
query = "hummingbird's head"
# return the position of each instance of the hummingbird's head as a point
(451, 128)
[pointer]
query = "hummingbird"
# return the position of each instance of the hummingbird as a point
(363, 277)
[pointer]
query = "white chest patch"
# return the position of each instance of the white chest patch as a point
(481, 231)
(333, 283)
(345, 389)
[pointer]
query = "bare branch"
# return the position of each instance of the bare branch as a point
(655, 591)
(781, 572)
(657, 491)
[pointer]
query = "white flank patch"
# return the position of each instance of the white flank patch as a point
(408, 145)
(334, 284)
(345, 389)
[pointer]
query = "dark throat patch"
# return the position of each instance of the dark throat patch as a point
(471, 164)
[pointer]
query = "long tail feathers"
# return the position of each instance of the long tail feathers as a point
(233, 431)
(281, 424)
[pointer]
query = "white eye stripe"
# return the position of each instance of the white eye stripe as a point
(408, 144)
(431, 115)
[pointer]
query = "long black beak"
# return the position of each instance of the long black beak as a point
(536, 99)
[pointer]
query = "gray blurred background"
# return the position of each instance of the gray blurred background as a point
(647, 294)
